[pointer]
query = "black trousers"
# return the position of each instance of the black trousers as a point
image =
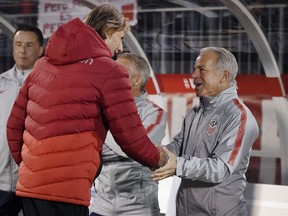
(10, 204)
(37, 207)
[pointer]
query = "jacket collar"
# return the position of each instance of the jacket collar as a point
(10, 74)
(16, 75)
(208, 102)
(140, 98)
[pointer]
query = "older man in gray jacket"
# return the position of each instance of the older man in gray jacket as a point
(212, 150)
(27, 48)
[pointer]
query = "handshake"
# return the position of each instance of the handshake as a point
(166, 165)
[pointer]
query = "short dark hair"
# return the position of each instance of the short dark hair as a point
(30, 28)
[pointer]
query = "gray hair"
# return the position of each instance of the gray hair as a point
(141, 65)
(226, 61)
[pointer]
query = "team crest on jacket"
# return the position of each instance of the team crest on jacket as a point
(212, 127)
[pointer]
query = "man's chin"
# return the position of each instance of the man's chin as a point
(200, 94)
(22, 67)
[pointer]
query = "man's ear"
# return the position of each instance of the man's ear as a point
(41, 51)
(138, 80)
(225, 76)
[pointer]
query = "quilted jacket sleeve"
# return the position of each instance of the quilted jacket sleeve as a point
(123, 120)
(15, 124)
(153, 119)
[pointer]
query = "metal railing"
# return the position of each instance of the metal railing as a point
(172, 37)
(173, 41)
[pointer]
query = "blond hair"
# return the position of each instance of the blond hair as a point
(106, 20)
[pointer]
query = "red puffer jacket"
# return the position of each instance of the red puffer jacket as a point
(60, 118)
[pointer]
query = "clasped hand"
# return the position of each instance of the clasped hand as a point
(167, 169)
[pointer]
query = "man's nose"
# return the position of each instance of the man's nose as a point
(194, 73)
(120, 49)
(22, 48)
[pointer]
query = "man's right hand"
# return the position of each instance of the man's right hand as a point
(168, 170)
(163, 157)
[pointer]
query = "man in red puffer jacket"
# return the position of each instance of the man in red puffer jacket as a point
(58, 124)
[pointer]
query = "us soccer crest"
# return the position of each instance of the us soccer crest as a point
(212, 127)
